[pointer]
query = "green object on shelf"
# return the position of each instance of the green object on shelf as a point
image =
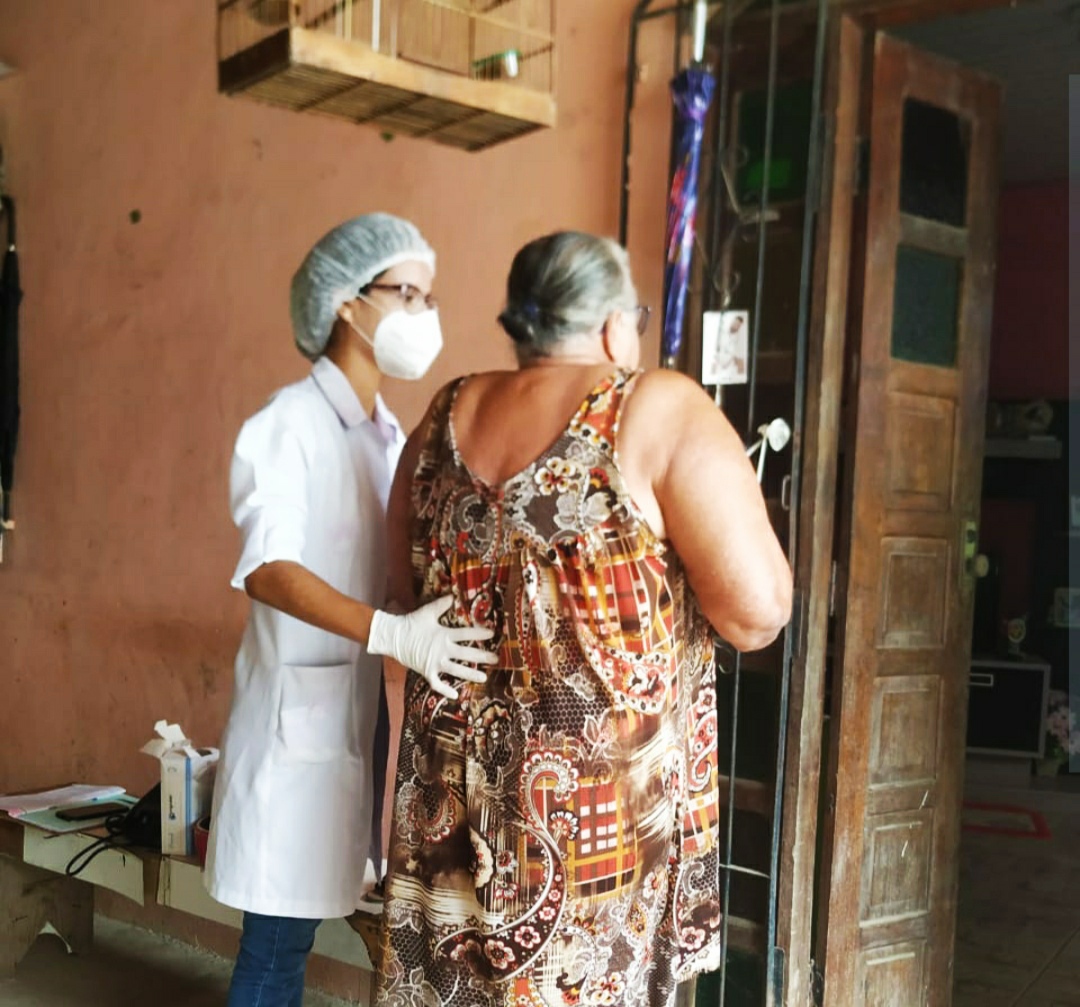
(779, 178)
(792, 117)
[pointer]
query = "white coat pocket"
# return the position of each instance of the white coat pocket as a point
(315, 716)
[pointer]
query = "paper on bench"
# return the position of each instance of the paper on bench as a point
(18, 805)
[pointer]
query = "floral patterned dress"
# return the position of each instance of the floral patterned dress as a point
(555, 829)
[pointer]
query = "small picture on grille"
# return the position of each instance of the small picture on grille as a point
(724, 347)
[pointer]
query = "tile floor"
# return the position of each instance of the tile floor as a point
(129, 967)
(1018, 931)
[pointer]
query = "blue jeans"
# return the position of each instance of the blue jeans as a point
(269, 970)
(380, 756)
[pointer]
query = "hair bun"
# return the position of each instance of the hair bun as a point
(521, 321)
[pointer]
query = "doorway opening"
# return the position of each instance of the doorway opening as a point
(1017, 934)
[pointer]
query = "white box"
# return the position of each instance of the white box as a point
(187, 786)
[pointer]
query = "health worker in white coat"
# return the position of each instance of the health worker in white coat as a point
(294, 813)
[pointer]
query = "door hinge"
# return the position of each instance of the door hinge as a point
(862, 165)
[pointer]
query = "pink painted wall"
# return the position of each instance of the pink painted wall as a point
(1029, 355)
(145, 345)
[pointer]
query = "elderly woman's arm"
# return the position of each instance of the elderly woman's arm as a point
(709, 505)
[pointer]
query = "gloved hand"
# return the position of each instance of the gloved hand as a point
(418, 641)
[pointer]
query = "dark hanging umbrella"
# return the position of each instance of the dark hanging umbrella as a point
(10, 296)
(692, 91)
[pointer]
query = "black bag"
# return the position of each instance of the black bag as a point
(141, 826)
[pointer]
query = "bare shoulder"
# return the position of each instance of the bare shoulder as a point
(673, 389)
(659, 410)
(669, 418)
(661, 400)
(475, 388)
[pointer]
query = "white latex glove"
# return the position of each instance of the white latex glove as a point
(420, 642)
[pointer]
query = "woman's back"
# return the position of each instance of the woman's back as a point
(564, 505)
(680, 462)
(503, 420)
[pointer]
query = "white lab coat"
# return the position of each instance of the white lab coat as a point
(293, 799)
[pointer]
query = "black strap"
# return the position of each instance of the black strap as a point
(115, 840)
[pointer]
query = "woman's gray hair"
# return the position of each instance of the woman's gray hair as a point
(562, 285)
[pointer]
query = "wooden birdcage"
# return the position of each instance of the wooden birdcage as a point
(468, 73)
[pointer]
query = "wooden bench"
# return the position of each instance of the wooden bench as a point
(37, 897)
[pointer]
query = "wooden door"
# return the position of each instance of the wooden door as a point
(918, 344)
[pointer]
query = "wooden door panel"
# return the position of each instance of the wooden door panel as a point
(896, 871)
(892, 975)
(920, 452)
(904, 727)
(914, 593)
(919, 350)
(939, 382)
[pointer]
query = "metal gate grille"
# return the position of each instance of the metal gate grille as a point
(758, 204)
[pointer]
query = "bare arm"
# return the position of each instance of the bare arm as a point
(416, 640)
(269, 503)
(296, 591)
(675, 440)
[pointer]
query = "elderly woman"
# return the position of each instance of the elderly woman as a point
(555, 828)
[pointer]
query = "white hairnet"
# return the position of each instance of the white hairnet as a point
(344, 260)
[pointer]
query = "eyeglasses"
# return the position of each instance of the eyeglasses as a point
(413, 299)
(644, 313)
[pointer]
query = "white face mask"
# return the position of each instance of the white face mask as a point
(405, 345)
